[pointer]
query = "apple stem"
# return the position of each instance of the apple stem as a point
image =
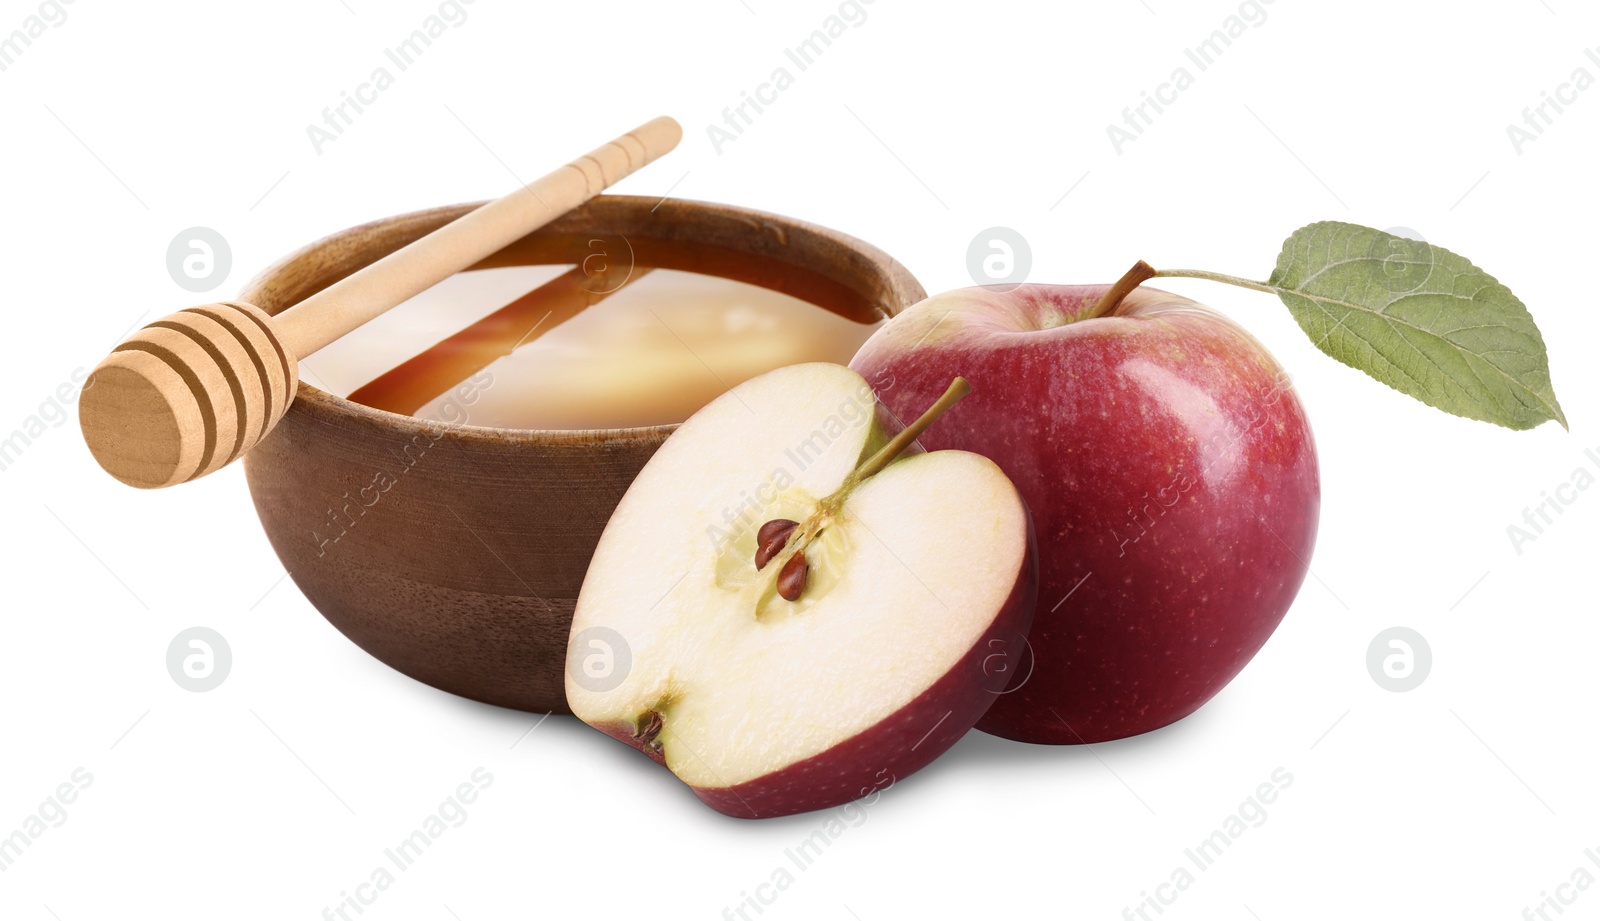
(791, 579)
(1218, 276)
(958, 388)
(1112, 299)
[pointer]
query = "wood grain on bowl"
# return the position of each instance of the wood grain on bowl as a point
(453, 552)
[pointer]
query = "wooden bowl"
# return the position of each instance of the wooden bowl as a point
(455, 554)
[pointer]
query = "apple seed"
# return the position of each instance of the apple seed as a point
(771, 539)
(792, 578)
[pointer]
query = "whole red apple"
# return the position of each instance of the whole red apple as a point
(1171, 475)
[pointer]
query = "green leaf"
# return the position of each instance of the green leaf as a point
(1419, 318)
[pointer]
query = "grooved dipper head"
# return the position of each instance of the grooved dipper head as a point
(187, 394)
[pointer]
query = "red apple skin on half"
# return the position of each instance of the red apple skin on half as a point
(904, 742)
(1172, 478)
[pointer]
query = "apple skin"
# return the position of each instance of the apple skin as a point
(907, 740)
(1169, 468)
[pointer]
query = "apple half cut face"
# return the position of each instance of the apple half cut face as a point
(912, 588)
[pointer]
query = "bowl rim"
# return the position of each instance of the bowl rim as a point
(313, 399)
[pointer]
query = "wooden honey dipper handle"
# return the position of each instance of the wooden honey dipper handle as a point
(190, 393)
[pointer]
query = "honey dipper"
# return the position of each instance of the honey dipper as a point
(192, 392)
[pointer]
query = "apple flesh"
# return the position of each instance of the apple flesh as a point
(919, 587)
(1170, 472)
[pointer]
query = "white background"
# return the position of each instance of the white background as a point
(269, 796)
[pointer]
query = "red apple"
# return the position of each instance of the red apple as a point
(1171, 475)
(787, 612)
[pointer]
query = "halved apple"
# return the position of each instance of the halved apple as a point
(890, 609)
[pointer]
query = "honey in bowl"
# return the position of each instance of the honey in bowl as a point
(554, 347)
